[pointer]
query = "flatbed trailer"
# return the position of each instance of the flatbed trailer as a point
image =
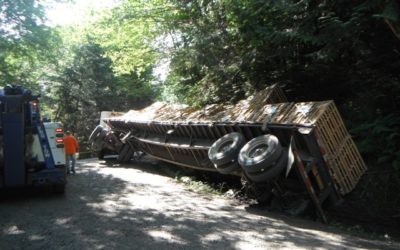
(320, 162)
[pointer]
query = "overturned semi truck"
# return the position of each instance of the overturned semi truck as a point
(279, 149)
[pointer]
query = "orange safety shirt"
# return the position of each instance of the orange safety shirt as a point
(70, 145)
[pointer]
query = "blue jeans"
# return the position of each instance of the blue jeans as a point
(71, 162)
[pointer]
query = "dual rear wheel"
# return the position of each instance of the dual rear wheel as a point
(262, 159)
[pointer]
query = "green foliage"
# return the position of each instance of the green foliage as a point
(220, 50)
(204, 59)
(200, 186)
(26, 44)
(341, 50)
(127, 34)
(89, 86)
(381, 139)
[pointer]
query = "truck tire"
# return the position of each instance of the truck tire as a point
(129, 155)
(226, 149)
(98, 144)
(97, 138)
(272, 172)
(228, 168)
(100, 154)
(260, 153)
(125, 154)
(95, 133)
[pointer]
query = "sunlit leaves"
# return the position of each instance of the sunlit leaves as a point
(128, 35)
(25, 42)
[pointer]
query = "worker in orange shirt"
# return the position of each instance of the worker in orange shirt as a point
(71, 147)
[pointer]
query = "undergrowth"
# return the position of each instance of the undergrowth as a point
(202, 186)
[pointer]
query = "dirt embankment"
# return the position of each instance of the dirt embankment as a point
(111, 206)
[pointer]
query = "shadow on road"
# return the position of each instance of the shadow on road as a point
(115, 207)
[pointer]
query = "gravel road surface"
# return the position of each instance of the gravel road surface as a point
(111, 206)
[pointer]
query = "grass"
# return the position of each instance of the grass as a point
(201, 186)
(360, 231)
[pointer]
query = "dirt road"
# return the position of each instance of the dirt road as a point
(108, 206)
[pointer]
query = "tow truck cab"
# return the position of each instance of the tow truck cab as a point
(31, 151)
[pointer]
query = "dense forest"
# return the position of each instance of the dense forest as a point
(218, 51)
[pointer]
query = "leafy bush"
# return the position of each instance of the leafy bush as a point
(381, 139)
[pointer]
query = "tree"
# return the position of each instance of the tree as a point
(341, 50)
(127, 34)
(89, 86)
(26, 43)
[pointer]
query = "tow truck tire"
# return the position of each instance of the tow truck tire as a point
(225, 149)
(260, 153)
(272, 172)
(59, 189)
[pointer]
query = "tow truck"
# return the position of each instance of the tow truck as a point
(31, 150)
